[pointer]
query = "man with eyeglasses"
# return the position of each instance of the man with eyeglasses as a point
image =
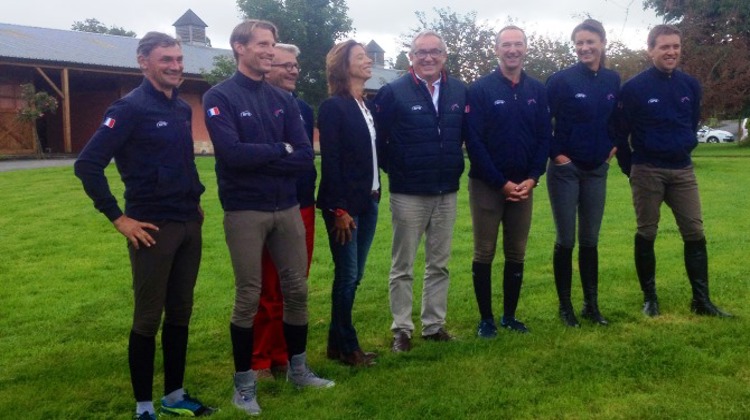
(269, 347)
(419, 119)
(509, 131)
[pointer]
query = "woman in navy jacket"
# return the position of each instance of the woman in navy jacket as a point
(581, 99)
(349, 189)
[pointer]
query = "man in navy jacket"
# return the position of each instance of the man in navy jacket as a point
(659, 113)
(148, 133)
(261, 150)
(419, 121)
(508, 143)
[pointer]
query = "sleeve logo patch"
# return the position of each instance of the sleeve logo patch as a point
(213, 111)
(109, 122)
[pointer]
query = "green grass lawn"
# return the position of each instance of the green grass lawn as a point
(66, 303)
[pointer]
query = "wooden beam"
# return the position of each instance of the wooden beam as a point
(67, 136)
(50, 82)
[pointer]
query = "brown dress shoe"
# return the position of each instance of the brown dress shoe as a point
(401, 342)
(440, 335)
(357, 358)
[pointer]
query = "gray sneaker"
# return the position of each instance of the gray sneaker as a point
(244, 393)
(302, 377)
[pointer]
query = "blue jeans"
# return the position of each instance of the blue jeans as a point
(349, 268)
(576, 191)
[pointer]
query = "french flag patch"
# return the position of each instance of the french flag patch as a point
(213, 111)
(109, 122)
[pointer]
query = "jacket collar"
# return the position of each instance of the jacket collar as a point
(586, 71)
(151, 90)
(415, 79)
(508, 81)
(247, 82)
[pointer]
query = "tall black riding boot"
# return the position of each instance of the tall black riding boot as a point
(563, 268)
(645, 266)
(512, 280)
(588, 265)
(481, 275)
(696, 265)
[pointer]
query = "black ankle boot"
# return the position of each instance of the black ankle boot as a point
(696, 265)
(588, 265)
(563, 269)
(645, 266)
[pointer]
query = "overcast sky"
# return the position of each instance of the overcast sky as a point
(381, 20)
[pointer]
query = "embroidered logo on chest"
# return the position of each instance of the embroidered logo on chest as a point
(416, 108)
(246, 114)
(161, 124)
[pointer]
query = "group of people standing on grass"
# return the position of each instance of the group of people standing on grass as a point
(514, 128)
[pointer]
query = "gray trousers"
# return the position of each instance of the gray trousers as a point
(283, 233)
(574, 191)
(412, 216)
(652, 186)
(489, 209)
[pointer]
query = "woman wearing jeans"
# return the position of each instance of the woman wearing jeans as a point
(349, 190)
(582, 99)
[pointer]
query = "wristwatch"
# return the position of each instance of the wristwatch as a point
(288, 147)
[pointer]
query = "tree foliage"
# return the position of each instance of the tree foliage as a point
(625, 61)
(36, 103)
(314, 26)
(224, 67)
(402, 61)
(716, 49)
(470, 43)
(545, 56)
(93, 25)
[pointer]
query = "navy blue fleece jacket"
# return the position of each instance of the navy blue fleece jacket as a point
(509, 129)
(582, 102)
(659, 112)
(150, 138)
(249, 121)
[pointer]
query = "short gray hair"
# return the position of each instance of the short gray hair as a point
(290, 48)
(511, 28)
(425, 33)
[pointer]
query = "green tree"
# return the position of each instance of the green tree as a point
(716, 49)
(402, 61)
(224, 67)
(93, 25)
(546, 56)
(36, 104)
(314, 26)
(625, 61)
(470, 43)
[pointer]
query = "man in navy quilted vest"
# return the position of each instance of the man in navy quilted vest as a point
(419, 121)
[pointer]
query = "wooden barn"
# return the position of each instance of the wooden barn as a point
(86, 72)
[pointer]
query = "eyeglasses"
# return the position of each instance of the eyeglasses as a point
(288, 66)
(422, 54)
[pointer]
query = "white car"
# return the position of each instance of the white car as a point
(707, 134)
